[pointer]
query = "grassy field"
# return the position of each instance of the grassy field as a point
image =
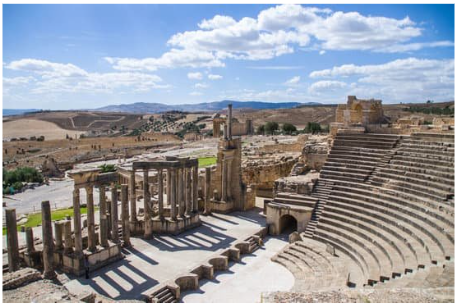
(206, 161)
(35, 219)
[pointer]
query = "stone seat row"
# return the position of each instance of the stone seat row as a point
(404, 245)
(423, 185)
(313, 268)
(365, 144)
(442, 183)
(430, 155)
(439, 236)
(396, 202)
(419, 171)
(295, 199)
(433, 277)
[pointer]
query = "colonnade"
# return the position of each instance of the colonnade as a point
(181, 189)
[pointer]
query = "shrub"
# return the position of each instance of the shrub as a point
(312, 127)
(288, 128)
(107, 168)
(271, 127)
(17, 177)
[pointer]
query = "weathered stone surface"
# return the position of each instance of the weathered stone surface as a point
(294, 236)
(12, 280)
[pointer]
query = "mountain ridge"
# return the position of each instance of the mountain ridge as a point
(142, 107)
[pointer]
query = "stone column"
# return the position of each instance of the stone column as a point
(225, 132)
(207, 191)
(125, 215)
(224, 180)
(147, 209)
(188, 191)
(58, 228)
(103, 225)
(173, 194)
(12, 236)
(229, 122)
(67, 237)
(229, 178)
(90, 215)
(30, 240)
(160, 193)
(114, 214)
(180, 191)
(168, 185)
(132, 192)
(77, 223)
(47, 237)
(195, 190)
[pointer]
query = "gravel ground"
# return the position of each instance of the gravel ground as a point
(404, 295)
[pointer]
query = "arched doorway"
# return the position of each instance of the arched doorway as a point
(288, 224)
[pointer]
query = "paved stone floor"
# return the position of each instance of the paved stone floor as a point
(150, 263)
(245, 281)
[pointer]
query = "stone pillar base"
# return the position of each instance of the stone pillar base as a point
(169, 226)
(222, 206)
(98, 259)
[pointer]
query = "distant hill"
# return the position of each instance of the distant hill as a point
(212, 106)
(7, 112)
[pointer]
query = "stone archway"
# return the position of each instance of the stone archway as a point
(287, 224)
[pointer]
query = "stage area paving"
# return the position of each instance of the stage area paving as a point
(244, 282)
(150, 263)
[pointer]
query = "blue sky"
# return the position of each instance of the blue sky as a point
(88, 56)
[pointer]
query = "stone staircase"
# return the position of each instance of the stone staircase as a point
(321, 191)
(164, 295)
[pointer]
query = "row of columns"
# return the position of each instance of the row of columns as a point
(181, 190)
(108, 218)
(63, 229)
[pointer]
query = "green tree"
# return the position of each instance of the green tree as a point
(271, 127)
(288, 128)
(312, 127)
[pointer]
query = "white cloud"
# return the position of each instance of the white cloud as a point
(276, 67)
(172, 59)
(293, 81)
(217, 22)
(408, 47)
(195, 75)
(46, 68)
(201, 86)
(214, 76)
(401, 80)
(195, 93)
(16, 81)
(281, 30)
(322, 52)
(58, 77)
(326, 86)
